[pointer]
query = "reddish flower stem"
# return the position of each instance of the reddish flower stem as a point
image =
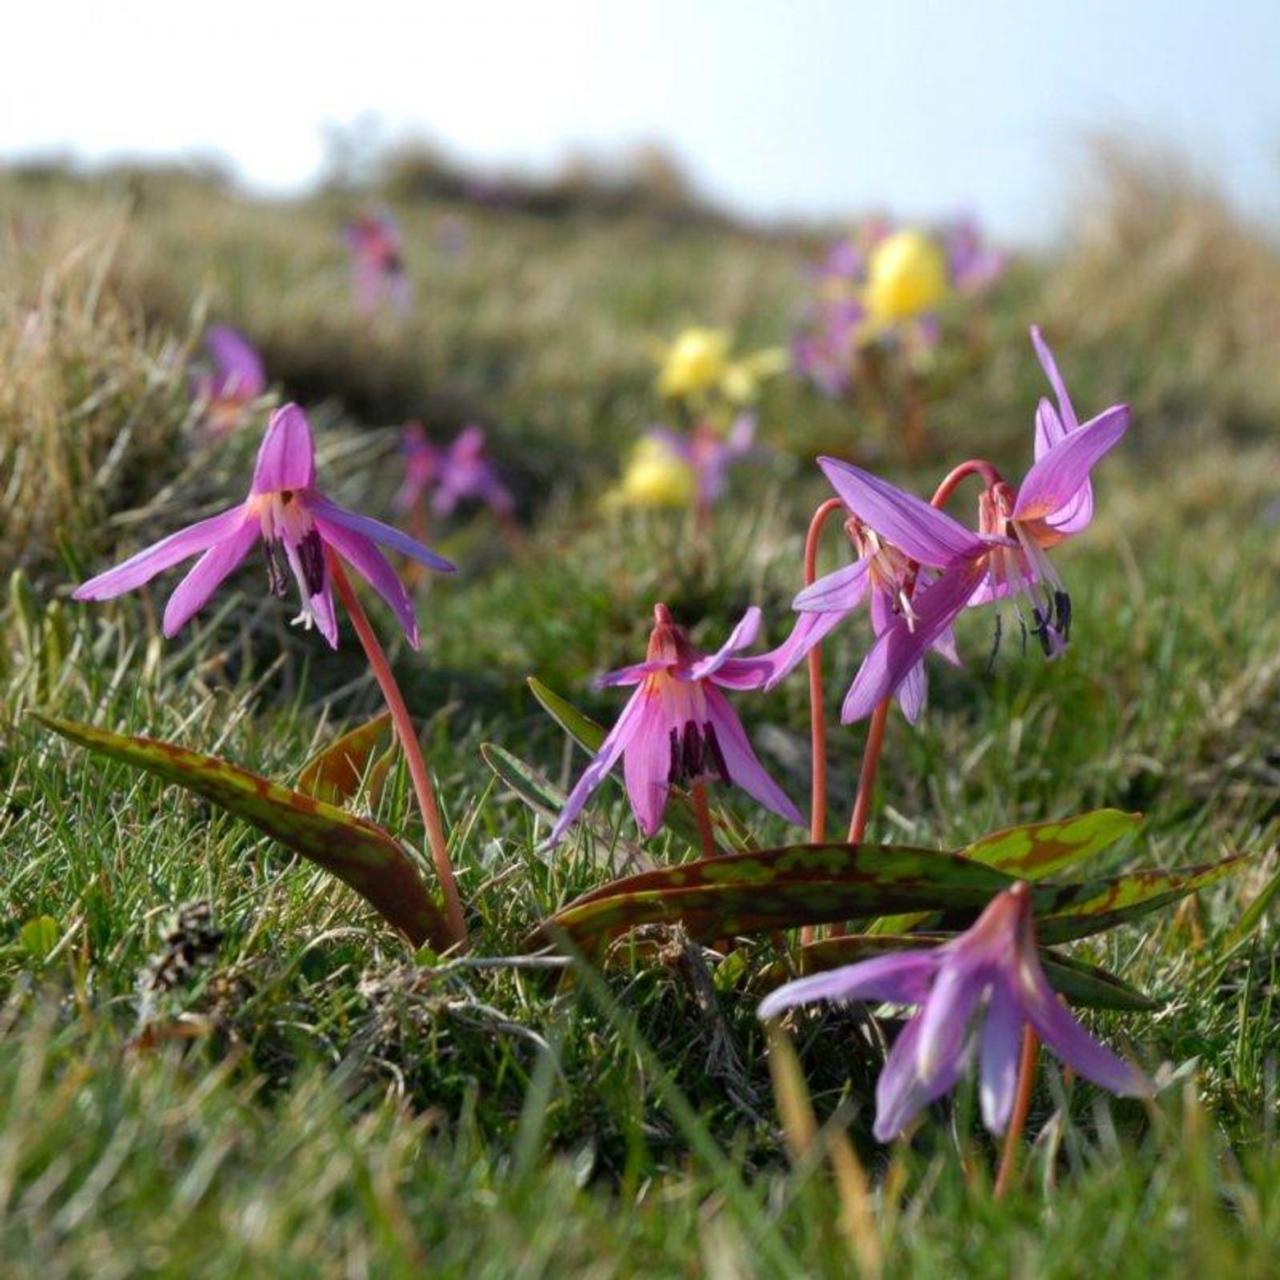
(1021, 1105)
(974, 467)
(408, 736)
(702, 813)
(817, 713)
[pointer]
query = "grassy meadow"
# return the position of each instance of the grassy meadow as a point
(313, 1099)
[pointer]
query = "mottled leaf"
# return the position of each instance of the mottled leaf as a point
(358, 852)
(1083, 984)
(778, 888)
(334, 774)
(581, 728)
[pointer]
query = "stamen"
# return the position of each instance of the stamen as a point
(673, 770)
(311, 558)
(692, 751)
(713, 750)
(275, 570)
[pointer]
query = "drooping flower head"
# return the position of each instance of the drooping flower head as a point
(377, 264)
(990, 974)
(679, 728)
(1054, 502)
(295, 523)
(459, 473)
(907, 551)
(235, 380)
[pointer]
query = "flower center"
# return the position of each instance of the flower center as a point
(289, 536)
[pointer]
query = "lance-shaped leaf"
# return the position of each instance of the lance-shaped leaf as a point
(1077, 910)
(1035, 851)
(779, 888)
(334, 774)
(1083, 984)
(358, 852)
(581, 728)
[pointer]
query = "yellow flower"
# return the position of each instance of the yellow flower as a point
(907, 275)
(742, 379)
(655, 476)
(695, 362)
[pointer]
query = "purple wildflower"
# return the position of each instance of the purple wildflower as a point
(235, 381)
(1054, 502)
(456, 474)
(296, 524)
(973, 265)
(679, 728)
(993, 971)
(710, 453)
(377, 264)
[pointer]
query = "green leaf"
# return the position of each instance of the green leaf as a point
(778, 888)
(334, 774)
(1083, 984)
(39, 936)
(357, 851)
(1076, 910)
(523, 779)
(581, 728)
(1035, 850)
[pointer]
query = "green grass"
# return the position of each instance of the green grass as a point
(312, 1099)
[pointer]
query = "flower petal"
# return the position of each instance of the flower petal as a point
(741, 637)
(900, 1091)
(1066, 412)
(744, 673)
(1001, 1046)
(926, 534)
(323, 612)
(610, 749)
(162, 555)
(646, 766)
(946, 1015)
(287, 456)
(193, 592)
(1057, 477)
(845, 589)
(240, 372)
(1076, 514)
(810, 629)
(900, 648)
(628, 675)
(379, 532)
(745, 770)
(363, 556)
(901, 977)
(1055, 1025)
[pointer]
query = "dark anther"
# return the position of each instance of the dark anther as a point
(1043, 628)
(996, 637)
(275, 570)
(714, 752)
(286, 495)
(311, 558)
(692, 763)
(673, 769)
(1062, 604)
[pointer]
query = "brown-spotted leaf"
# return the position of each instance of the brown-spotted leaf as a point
(778, 888)
(1083, 984)
(358, 852)
(334, 773)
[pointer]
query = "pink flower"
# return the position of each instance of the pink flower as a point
(295, 522)
(679, 728)
(462, 472)
(992, 974)
(377, 265)
(236, 380)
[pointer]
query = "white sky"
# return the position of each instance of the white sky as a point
(806, 106)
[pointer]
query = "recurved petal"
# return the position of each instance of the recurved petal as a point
(901, 1093)
(206, 575)
(363, 556)
(946, 1015)
(926, 534)
(901, 977)
(646, 766)
(379, 532)
(998, 1071)
(900, 648)
(1066, 1037)
(287, 456)
(1056, 478)
(745, 770)
(610, 749)
(842, 591)
(742, 636)
(239, 365)
(628, 675)
(323, 612)
(162, 555)
(810, 629)
(1050, 366)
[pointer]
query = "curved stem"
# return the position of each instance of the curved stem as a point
(408, 736)
(974, 467)
(817, 713)
(702, 813)
(867, 774)
(1017, 1121)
